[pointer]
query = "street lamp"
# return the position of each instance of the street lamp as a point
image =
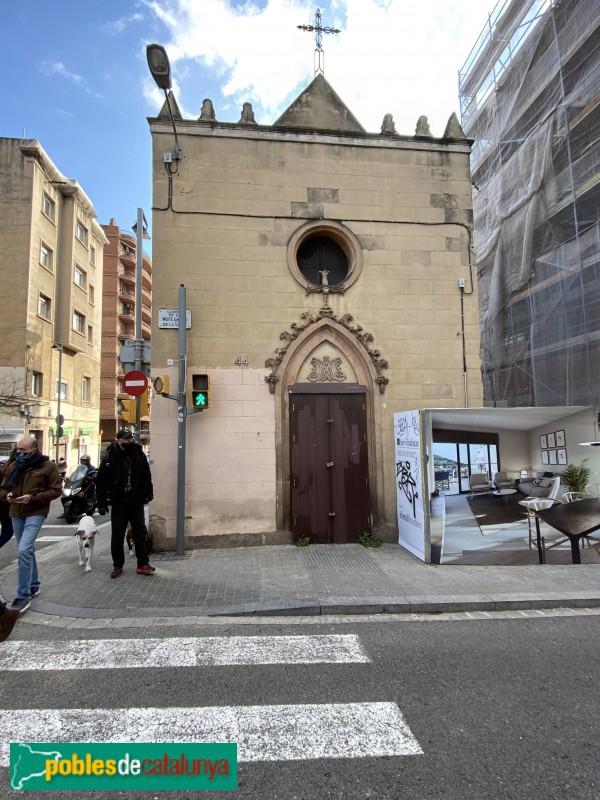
(59, 417)
(160, 69)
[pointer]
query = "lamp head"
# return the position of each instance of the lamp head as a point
(595, 442)
(160, 68)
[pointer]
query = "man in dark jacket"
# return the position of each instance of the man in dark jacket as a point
(29, 486)
(124, 476)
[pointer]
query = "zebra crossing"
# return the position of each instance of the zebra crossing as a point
(281, 732)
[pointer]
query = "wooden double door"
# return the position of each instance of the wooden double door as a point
(329, 472)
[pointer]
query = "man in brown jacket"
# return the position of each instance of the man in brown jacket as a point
(29, 487)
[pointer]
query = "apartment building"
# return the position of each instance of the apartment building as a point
(530, 98)
(117, 409)
(51, 258)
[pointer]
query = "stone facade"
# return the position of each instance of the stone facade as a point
(230, 224)
(51, 251)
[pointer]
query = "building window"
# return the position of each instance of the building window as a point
(48, 207)
(324, 254)
(92, 294)
(39, 437)
(320, 257)
(92, 255)
(46, 256)
(81, 232)
(90, 334)
(86, 389)
(37, 384)
(62, 388)
(44, 307)
(78, 322)
(79, 277)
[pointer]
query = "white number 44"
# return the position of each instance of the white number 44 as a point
(241, 361)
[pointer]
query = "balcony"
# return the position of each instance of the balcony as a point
(127, 255)
(127, 331)
(126, 294)
(126, 314)
(126, 274)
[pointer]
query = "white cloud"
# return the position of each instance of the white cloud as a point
(58, 68)
(117, 26)
(389, 56)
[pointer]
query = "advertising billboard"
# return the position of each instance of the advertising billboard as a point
(410, 491)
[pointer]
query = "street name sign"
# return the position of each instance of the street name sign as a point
(169, 318)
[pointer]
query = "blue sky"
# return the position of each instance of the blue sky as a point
(79, 83)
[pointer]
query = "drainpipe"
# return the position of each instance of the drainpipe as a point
(461, 285)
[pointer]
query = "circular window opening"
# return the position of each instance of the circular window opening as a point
(320, 253)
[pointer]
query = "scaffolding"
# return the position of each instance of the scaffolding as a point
(530, 98)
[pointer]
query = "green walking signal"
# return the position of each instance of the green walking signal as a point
(201, 390)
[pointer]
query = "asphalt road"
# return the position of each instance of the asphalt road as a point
(506, 708)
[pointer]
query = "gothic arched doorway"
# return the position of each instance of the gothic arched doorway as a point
(329, 374)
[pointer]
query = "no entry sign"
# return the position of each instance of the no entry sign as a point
(135, 383)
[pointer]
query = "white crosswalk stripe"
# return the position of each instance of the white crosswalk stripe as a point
(263, 733)
(182, 652)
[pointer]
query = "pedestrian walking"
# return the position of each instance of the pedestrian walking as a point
(124, 476)
(29, 487)
(6, 533)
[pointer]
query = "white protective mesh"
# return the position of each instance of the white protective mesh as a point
(530, 98)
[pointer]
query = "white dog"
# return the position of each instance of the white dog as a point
(86, 535)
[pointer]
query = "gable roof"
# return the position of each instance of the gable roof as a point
(319, 107)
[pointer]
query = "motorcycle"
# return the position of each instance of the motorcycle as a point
(79, 494)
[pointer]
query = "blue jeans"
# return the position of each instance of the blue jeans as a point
(26, 532)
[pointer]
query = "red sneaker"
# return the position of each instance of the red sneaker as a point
(145, 570)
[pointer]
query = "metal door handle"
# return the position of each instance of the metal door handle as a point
(329, 464)
(332, 513)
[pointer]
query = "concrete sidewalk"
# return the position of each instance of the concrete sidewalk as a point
(286, 580)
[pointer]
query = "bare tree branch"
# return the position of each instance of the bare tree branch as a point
(12, 395)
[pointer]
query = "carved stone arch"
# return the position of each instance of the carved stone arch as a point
(327, 330)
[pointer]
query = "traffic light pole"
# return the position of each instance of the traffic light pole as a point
(182, 415)
(181, 426)
(59, 417)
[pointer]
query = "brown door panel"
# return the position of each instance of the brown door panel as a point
(329, 467)
(309, 478)
(351, 486)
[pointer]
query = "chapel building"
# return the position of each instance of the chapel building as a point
(330, 282)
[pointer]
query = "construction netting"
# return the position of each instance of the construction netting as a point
(530, 98)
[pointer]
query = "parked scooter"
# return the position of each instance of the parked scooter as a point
(79, 494)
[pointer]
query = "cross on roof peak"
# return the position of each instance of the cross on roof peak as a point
(319, 30)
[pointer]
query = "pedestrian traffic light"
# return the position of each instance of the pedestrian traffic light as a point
(128, 410)
(161, 384)
(200, 390)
